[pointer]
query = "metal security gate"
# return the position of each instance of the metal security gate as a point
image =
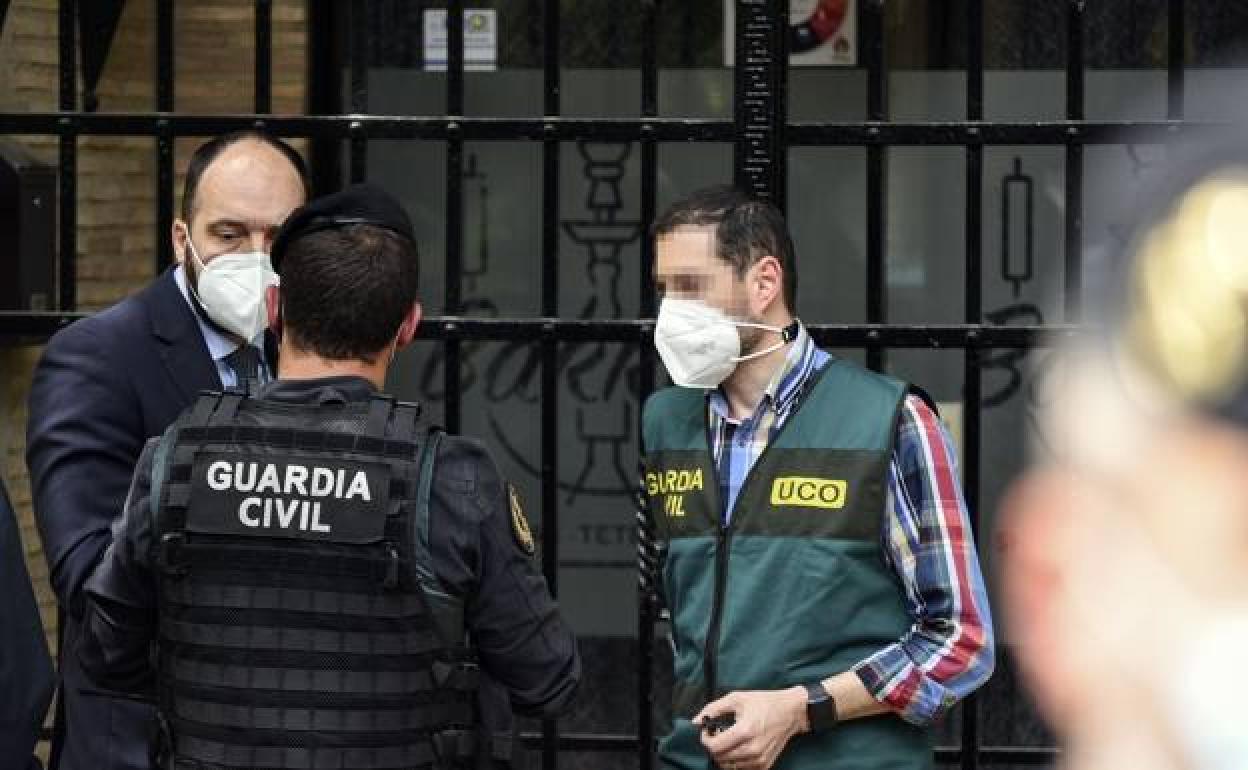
(761, 133)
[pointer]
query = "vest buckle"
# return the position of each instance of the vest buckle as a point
(169, 556)
(454, 748)
(160, 750)
(391, 580)
(461, 676)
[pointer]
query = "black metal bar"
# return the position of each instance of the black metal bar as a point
(97, 28)
(454, 202)
(164, 64)
(937, 336)
(359, 88)
(67, 278)
(780, 105)
(952, 133)
(263, 88)
(606, 742)
(1074, 159)
(455, 57)
(551, 107)
(1009, 755)
(384, 126)
(164, 77)
(1175, 59)
(324, 63)
(971, 412)
(758, 98)
(868, 134)
(164, 201)
(614, 742)
(877, 182)
(1003, 755)
(646, 369)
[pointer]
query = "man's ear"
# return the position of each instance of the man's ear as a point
(766, 285)
(273, 307)
(407, 330)
(178, 235)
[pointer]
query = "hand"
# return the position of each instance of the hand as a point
(765, 722)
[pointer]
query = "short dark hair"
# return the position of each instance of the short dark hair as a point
(210, 150)
(746, 228)
(346, 290)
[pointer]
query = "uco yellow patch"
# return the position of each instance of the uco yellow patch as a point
(809, 492)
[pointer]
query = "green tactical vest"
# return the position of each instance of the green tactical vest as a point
(795, 588)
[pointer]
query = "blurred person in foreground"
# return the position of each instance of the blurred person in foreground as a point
(1126, 573)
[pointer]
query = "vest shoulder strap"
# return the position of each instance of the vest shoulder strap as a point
(674, 415)
(446, 609)
(160, 468)
(424, 489)
(198, 416)
(855, 408)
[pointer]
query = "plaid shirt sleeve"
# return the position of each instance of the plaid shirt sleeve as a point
(948, 651)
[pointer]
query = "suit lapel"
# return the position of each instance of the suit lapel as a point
(180, 341)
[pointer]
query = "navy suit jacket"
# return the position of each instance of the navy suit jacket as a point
(104, 385)
(26, 677)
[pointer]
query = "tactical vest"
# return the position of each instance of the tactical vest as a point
(795, 588)
(300, 621)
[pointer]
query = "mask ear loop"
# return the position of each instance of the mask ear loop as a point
(787, 335)
(200, 267)
(190, 285)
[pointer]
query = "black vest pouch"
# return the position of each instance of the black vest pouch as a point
(473, 750)
(295, 630)
(457, 670)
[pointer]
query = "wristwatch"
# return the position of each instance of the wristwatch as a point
(820, 707)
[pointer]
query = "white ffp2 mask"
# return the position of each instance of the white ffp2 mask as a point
(699, 344)
(231, 290)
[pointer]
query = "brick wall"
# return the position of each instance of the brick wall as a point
(116, 175)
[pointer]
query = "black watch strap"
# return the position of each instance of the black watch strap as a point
(820, 707)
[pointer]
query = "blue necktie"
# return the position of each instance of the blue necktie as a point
(245, 362)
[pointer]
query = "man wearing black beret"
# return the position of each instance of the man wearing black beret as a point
(309, 575)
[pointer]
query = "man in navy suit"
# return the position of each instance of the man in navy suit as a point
(25, 669)
(109, 382)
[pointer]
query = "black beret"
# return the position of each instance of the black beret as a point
(359, 204)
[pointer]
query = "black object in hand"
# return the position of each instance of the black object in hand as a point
(716, 725)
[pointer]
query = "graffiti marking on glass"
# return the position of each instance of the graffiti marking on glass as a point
(594, 375)
(1017, 246)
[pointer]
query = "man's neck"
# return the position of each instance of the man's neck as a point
(300, 365)
(747, 384)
